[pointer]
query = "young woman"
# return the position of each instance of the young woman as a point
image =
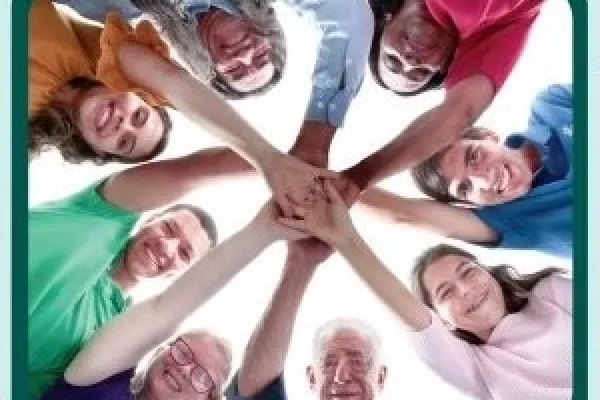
(193, 366)
(489, 331)
(109, 120)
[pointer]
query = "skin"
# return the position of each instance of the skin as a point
(165, 245)
(241, 55)
(117, 123)
(168, 380)
(465, 295)
(413, 48)
(483, 172)
(346, 368)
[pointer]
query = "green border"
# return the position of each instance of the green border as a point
(20, 198)
(580, 254)
(19, 174)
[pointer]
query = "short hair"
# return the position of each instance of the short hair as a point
(353, 324)
(179, 29)
(205, 219)
(55, 127)
(428, 178)
(380, 8)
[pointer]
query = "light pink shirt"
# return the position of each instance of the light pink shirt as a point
(528, 355)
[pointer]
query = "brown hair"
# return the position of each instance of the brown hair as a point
(55, 127)
(516, 288)
(428, 178)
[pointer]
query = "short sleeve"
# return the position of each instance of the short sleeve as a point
(557, 289)
(347, 30)
(493, 53)
(451, 358)
(55, 55)
(275, 390)
(553, 107)
(116, 387)
(117, 31)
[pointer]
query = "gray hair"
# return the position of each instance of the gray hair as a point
(179, 29)
(354, 324)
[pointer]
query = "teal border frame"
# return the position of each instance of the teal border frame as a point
(19, 193)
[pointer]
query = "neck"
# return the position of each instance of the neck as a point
(123, 278)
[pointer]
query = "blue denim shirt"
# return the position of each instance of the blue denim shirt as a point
(347, 30)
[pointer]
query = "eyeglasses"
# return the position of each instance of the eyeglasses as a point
(200, 379)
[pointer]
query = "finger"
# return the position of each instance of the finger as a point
(332, 194)
(326, 174)
(297, 224)
(284, 204)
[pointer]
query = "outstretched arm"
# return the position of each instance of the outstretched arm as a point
(445, 219)
(156, 184)
(265, 354)
(288, 177)
(429, 133)
(120, 344)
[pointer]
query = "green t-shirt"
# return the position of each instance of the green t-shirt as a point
(73, 244)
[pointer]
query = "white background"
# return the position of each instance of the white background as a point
(374, 118)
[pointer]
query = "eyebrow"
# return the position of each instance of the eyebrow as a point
(446, 284)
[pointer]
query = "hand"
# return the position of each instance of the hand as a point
(266, 223)
(328, 219)
(347, 188)
(293, 181)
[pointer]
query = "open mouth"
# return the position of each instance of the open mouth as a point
(153, 256)
(503, 178)
(104, 115)
(478, 302)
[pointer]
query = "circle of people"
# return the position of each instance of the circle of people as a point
(100, 79)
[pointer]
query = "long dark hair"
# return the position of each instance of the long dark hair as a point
(516, 287)
(55, 127)
(380, 9)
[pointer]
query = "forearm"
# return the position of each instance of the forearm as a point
(265, 354)
(120, 344)
(313, 142)
(425, 136)
(385, 284)
(388, 206)
(156, 184)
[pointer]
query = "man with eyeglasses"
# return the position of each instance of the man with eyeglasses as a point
(84, 257)
(346, 353)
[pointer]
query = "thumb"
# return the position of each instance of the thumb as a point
(326, 174)
(297, 224)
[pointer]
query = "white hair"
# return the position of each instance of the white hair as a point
(345, 323)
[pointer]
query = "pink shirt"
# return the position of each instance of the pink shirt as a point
(492, 35)
(528, 356)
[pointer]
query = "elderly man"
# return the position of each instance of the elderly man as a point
(83, 257)
(346, 351)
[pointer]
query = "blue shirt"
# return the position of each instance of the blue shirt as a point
(543, 218)
(346, 28)
(273, 391)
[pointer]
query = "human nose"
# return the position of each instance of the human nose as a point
(342, 372)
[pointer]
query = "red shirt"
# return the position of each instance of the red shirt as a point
(492, 34)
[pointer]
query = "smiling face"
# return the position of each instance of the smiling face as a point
(240, 53)
(465, 295)
(193, 367)
(346, 368)
(483, 172)
(169, 243)
(413, 48)
(118, 123)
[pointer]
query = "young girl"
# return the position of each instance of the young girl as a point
(87, 78)
(489, 331)
(193, 366)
